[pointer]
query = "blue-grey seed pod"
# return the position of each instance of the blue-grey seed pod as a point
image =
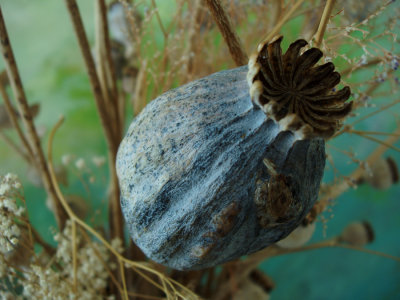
(208, 173)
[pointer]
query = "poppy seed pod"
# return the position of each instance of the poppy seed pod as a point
(231, 163)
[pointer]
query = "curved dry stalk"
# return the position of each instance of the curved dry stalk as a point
(224, 24)
(121, 268)
(27, 119)
(98, 255)
(74, 218)
(116, 220)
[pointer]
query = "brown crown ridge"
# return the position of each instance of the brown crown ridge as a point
(294, 92)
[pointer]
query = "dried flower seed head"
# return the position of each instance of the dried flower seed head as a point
(357, 234)
(383, 174)
(298, 237)
(207, 177)
(296, 94)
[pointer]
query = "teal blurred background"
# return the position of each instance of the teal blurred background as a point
(53, 75)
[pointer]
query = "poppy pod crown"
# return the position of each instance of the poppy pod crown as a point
(294, 92)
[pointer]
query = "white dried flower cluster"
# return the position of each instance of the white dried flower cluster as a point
(45, 283)
(117, 245)
(80, 164)
(66, 159)
(91, 273)
(9, 210)
(98, 161)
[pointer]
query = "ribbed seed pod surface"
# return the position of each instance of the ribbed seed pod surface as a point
(207, 175)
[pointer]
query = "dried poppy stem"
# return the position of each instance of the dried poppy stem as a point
(324, 21)
(26, 116)
(138, 100)
(116, 220)
(284, 19)
(14, 121)
(106, 68)
(192, 38)
(91, 69)
(225, 27)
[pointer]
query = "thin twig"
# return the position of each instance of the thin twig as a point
(74, 256)
(106, 67)
(371, 138)
(357, 67)
(14, 146)
(102, 261)
(14, 121)
(336, 190)
(324, 21)
(121, 268)
(372, 132)
(221, 18)
(116, 220)
(284, 19)
(193, 29)
(38, 239)
(138, 101)
(91, 70)
(27, 119)
(381, 109)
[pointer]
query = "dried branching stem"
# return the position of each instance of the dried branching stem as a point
(324, 21)
(192, 37)
(13, 119)
(108, 79)
(257, 258)
(27, 119)
(221, 18)
(282, 21)
(116, 220)
(336, 190)
(14, 146)
(351, 69)
(91, 70)
(183, 292)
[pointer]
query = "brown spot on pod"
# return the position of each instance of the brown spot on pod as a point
(195, 187)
